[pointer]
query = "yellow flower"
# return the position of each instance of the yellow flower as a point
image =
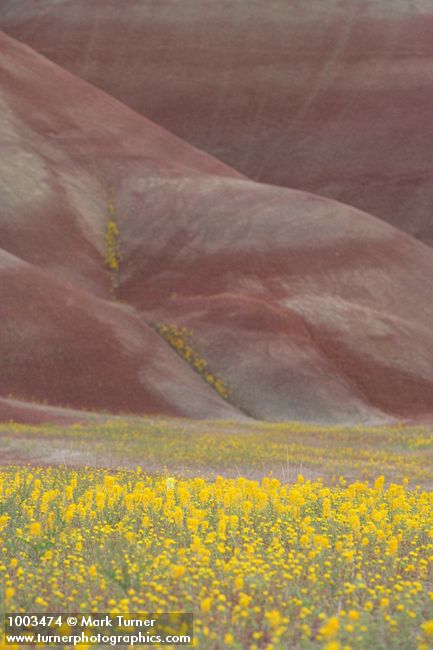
(244, 600)
(35, 529)
(93, 571)
(427, 628)
(3, 521)
(274, 618)
(378, 484)
(393, 545)
(206, 605)
(330, 628)
(109, 481)
(177, 571)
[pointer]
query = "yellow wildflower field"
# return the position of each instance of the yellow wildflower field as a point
(251, 449)
(262, 564)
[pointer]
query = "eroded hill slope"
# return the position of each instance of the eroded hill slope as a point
(332, 97)
(300, 306)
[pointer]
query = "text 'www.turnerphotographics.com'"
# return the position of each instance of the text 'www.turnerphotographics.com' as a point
(94, 629)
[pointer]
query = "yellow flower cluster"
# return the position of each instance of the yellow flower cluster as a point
(180, 340)
(111, 254)
(112, 249)
(263, 566)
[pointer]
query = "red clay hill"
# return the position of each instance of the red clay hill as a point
(302, 307)
(328, 96)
